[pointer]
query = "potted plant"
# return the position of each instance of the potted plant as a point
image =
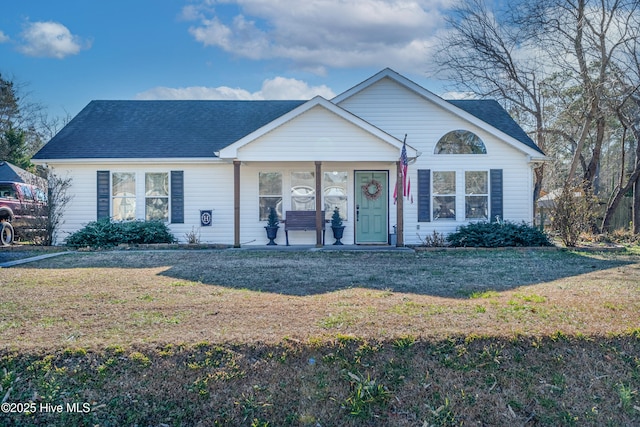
(272, 226)
(336, 226)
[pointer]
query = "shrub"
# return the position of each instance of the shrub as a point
(498, 234)
(435, 240)
(573, 214)
(106, 234)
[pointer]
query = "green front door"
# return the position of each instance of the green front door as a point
(372, 203)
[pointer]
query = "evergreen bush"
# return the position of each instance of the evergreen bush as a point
(106, 234)
(498, 234)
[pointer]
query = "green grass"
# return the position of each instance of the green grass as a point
(286, 339)
(351, 382)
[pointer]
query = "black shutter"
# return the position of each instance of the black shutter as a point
(496, 194)
(103, 194)
(177, 197)
(424, 195)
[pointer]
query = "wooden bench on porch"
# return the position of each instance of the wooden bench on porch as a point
(301, 221)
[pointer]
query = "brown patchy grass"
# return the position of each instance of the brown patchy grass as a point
(113, 298)
(523, 337)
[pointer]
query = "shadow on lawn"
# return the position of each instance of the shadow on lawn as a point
(451, 274)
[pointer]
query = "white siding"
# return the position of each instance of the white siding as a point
(400, 111)
(318, 135)
(321, 135)
(252, 229)
(206, 186)
(211, 187)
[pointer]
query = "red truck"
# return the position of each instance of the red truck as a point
(22, 210)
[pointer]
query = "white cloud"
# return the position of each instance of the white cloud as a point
(315, 34)
(276, 88)
(50, 39)
(453, 95)
(3, 37)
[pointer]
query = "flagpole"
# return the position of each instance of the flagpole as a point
(399, 206)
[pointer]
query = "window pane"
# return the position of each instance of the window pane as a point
(335, 180)
(303, 191)
(460, 142)
(157, 184)
(157, 208)
(270, 184)
(331, 202)
(124, 184)
(476, 207)
(123, 189)
(444, 207)
(444, 182)
(476, 183)
(266, 203)
(124, 208)
(335, 193)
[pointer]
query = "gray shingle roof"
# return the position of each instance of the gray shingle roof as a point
(490, 111)
(193, 129)
(160, 129)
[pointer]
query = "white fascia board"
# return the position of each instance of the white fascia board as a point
(430, 96)
(231, 151)
(151, 161)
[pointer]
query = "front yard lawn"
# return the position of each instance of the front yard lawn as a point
(227, 337)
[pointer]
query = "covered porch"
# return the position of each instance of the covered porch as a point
(362, 192)
(316, 158)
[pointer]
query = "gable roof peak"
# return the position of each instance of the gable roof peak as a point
(486, 114)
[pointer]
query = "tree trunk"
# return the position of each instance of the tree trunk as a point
(636, 206)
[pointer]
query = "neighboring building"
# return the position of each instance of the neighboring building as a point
(180, 160)
(12, 173)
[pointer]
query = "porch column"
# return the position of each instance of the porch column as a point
(236, 203)
(399, 206)
(319, 216)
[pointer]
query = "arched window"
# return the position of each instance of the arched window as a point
(460, 142)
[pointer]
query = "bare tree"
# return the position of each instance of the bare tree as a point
(551, 62)
(627, 108)
(484, 53)
(48, 216)
(58, 198)
(583, 38)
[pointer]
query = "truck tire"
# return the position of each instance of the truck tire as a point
(6, 234)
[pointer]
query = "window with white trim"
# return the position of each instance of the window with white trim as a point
(269, 194)
(444, 195)
(476, 197)
(335, 193)
(460, 142)
(303, 191)
(156, 190)
(123, 196)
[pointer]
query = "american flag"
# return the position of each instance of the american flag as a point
(404, 168)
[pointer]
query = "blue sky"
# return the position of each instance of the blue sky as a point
(69, 52)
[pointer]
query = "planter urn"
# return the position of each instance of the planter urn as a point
(337, 234)
(272, 233)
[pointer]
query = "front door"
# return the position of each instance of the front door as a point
(372, 203)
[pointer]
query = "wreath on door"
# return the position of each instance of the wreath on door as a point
(372, 189)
